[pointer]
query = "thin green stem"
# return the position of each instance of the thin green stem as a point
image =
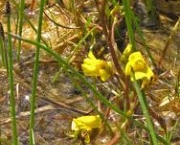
(3, 49)
(75, 50)
(144, 41)
(151, 9)
(2, 56)
(128, 18)
(0, 134)
(35, 74)
(11, 80)
(21, 18)
(144, 106)
(28, 21)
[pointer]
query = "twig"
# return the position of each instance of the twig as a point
(27, 113)
(109, 34)
(114, 140)
(60, 25)
(51, 97)
(174, 30)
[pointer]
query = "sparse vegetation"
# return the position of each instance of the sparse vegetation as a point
(89, 72)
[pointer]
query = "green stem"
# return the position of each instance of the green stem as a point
(128, 18)
(21, 18)
(35, 74)
(2, 56)
(3, 48)
(28, 21)
(144, 41)
(11, 80)
(144, 106)
(151, 9)
(75, 50)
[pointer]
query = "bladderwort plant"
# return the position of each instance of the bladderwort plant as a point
(107, 32)
(129, 84)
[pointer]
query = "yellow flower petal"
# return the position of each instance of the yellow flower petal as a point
(87, 138)
(128, 69)
(104, 75)
(91, 55)
(137, 65)
(86, 123)
(140, 75)
(126, 53)
(89, 70)
(96, 67)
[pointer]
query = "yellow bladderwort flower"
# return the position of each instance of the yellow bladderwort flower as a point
(126, 53)
(84, 125)
(117, 10)
(137, 65)
(96, 67)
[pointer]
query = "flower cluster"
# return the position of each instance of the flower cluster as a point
(85, 124)
(96, 67)
(134, 62)
(137, 65)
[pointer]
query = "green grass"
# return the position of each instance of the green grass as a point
(35, 73)
(10, 76)
(21, 19)
(145, 106)
(129, 22)
(3, 49)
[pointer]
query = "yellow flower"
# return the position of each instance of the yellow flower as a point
(138, 65)
(96, 67)
(85, 124)
(126, 53)
(117, 10)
